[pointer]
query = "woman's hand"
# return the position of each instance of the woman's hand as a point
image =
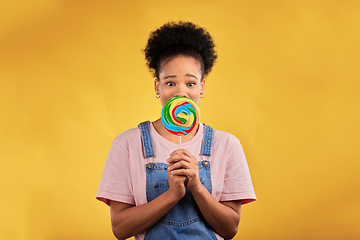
(176, 184)
(183, 163)
(225, 216)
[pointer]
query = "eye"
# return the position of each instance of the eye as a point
(191, 84)
(171, 84)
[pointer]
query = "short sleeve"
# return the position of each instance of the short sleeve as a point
(115, 182)
(237, 181)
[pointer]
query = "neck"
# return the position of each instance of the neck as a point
(159, 127)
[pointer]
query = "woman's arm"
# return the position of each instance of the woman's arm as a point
(128, 220)
(224, 217)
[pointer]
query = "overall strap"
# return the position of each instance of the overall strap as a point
(207, 141)
(146, 139)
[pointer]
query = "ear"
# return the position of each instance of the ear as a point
(202, 86)
(156, 85)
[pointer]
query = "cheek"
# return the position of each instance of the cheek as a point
(196, 98)
(164, 98)
(163, 101)
(196, 93)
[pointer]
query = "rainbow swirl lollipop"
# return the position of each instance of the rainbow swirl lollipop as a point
(180, 115)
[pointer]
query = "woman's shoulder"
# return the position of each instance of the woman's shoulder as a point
(225, 136)
(129, 135)
(226, 140)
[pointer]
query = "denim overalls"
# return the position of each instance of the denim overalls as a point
(184, 220)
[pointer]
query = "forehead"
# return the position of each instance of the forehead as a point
(180, 65)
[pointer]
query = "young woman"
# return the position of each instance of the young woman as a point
(156, 190)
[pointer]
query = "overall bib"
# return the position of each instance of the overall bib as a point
(184, 220)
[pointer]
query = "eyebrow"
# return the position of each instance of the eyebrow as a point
(170, 76)
(187, 75)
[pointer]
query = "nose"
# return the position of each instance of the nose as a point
(181, 91)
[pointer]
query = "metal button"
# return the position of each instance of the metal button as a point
(150, 165)
(205, 163)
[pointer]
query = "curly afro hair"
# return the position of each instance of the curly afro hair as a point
(182, 38)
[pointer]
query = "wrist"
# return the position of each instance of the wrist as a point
(173, 196)
(197, 188)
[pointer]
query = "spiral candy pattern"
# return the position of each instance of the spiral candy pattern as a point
(180, 115)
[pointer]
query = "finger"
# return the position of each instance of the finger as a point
(180, 164)
(185, 154)
(176, 158)
(181, 152)
(182, 172)
(177, 177)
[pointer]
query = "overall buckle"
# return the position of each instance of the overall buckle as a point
(150, 162)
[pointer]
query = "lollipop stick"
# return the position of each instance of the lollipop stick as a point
(180, 142)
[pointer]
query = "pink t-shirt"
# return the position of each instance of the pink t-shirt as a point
(124, 175)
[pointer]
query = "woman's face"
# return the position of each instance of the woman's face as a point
(180, 76)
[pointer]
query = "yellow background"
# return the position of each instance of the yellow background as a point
(286, 83)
